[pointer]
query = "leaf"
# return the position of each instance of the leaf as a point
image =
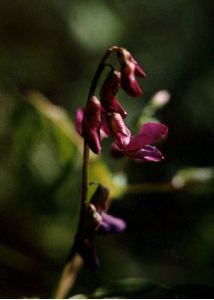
(134, 288)
(99, 172)
(60, 124)
(198, 180)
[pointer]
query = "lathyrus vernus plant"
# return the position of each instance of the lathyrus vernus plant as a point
(103, 117)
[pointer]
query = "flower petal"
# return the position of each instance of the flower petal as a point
(115, 106)
(92, 137)
(139, 71)
(119, 131)
(91, 124)
(129, 82)
(147, 153)
(111, 224)
(149, 133)
(78, 119)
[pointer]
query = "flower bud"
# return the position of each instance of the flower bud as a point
(109, 89)
(130, 69)
(91, 124)
(100, 198)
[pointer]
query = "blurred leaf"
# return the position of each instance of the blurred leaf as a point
(26, 131)
(134, 288)
(44, 138)
(157, 102)
(79, 296)
(195, 179)
(138, 288)
(63, 130)
(99, 172)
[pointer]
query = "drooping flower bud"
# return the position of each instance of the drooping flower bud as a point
(109, 89)
(91, 124)
(100, 198)
(129, 70)
(95, 221)
(119, 131)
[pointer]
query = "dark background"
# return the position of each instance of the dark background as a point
(54, 46)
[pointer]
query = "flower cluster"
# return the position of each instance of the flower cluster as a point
(105, 116)
(96, 221)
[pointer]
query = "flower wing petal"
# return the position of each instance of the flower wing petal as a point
(111, 224)
(148, 153)
(149, 133)
(79, 119)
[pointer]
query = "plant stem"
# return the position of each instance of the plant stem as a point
(75, 262)
(68, 277)
(86, 151)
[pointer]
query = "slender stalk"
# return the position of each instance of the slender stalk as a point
(68, 277)
(92, 90)
(75, 262)
(84, 176)
(99, 70)
(86, 151)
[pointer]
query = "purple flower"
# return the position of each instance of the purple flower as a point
(107, 95)
(129, 70)
(91, 124)
(118, 129)
(78, 119)
(138, 147)
(96, 221)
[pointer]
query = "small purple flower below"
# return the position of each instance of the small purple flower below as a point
(96, 221)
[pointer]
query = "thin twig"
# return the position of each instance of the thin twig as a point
(68, 277)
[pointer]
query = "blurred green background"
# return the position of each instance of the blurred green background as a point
(52, 47)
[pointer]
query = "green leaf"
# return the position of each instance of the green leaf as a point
(58, 123)
(134, 288)
(99, 172)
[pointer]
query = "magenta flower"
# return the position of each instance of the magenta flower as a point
(118, 129)
(129, 70)
(78, 119)
(139, 147)
(94, 135)
(107, 95)
(96, 221)
(91, 124)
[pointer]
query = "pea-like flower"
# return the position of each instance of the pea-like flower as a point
(129, 70)
(93, 132)
(96, 221)
(90, 123)
(108, 93)
(137, 147)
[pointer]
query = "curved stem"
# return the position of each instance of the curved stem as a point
(86, 151)
(74, 262)
(99, 71)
